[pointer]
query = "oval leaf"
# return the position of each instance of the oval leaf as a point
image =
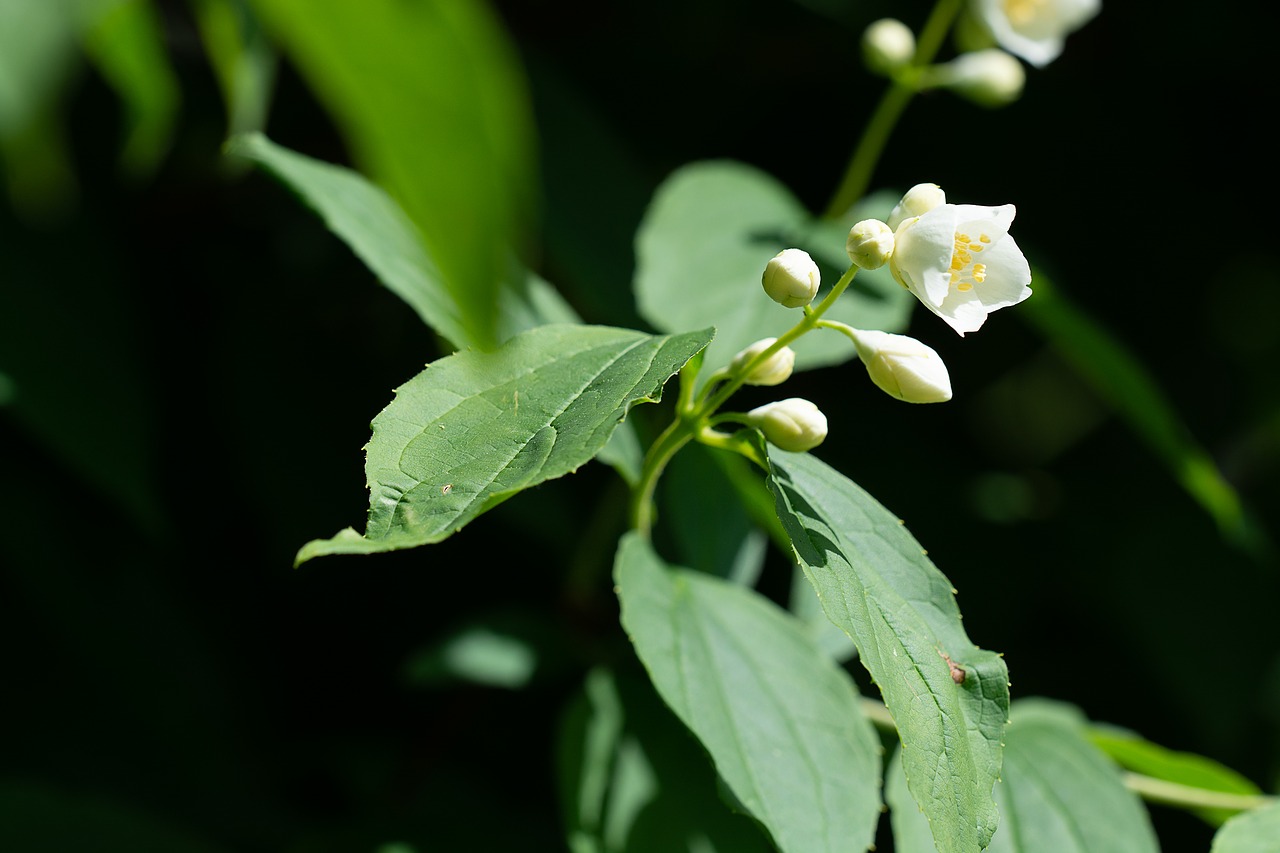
(1057, 793)
(781, 721)
(704, 243)
(1252, 832)
(475, 428)
(877, 585)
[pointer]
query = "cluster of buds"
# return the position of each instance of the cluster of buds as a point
(998, 31)
(957, 259)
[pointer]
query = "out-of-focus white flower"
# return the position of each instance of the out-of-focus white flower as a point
(774, 370)
(791, 278)
(902, 367)
(887, 45)
(917, 201)
(959, 260)
(1034, 29)
(793, 424)
(870, 244)
(991, 78)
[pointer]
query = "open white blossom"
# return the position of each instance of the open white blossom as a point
(902, 367)
(959, 260)
(1034, 29)
(793, 424)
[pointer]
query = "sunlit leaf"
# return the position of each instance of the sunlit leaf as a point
(475, 428)
(433, 106)
(1057, 793)
(781, 721)
(949, 699)
(704, 243)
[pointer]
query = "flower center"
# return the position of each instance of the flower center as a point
(1023, 12)
(965, 271)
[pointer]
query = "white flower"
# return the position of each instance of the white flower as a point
(887, 44)
(991, 78)
(959, 260)
(917, 201)
(870, 244)
(1034, 29)
(793, 424)
(791, 278)
(774, 370)
(902, 367)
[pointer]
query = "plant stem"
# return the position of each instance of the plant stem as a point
(857, 174)
(1190, 797)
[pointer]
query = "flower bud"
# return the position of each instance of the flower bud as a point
(774, 370)
(918, 201)
(793, 424)
(991, 78)
(870, 244)
(887, 45)
(791, 279)
(903, 368)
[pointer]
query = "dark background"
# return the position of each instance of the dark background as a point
(195, 360)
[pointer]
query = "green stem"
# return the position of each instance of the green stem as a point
(1189, 797)
(862, 163)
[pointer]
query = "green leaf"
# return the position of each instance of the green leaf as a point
(709, 525)
(1251, 832)
(127, 45)
(432, 103)
(781, 721)
(242, 58)
(1125, 384)
(876, 584)
(704, 243)
(1057, 793)
(1183, 768)
(475, 428)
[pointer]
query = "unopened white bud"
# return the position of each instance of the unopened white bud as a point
(991, 78)
(793, 424)
(903, 368)
(918, 201)
(887, 45)
(870, 244)
(791, 278)
(774, 370)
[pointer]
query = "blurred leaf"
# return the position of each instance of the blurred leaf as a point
(1122, 381)
(432, 103)
(781, 721)
(475, 428)
(876, 583)
(1184, 768)
(633, 781)
(127, 44)
(243, 61)
(711, 528)
(37, 50)
(1251, 832)
(1056, 793)
(704, 243)
(479, 655)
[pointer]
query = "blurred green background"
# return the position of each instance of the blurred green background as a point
(189, 362)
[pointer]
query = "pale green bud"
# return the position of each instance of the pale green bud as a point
(870, 244)
(791, 278)
(793, 424)
(774, 370)
(918, 201)
(903, 368)
(887, 45)
(991, 78)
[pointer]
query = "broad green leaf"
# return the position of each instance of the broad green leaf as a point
(475, 428)
(1183, 768)
(876, 584)
(127, 45)
(781, 721)
(1057, 793)
(1251, 832)
(432, 103)
(710, 527)
(1122, 381)
(807, 607)
(704, 243)
(242, 58)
